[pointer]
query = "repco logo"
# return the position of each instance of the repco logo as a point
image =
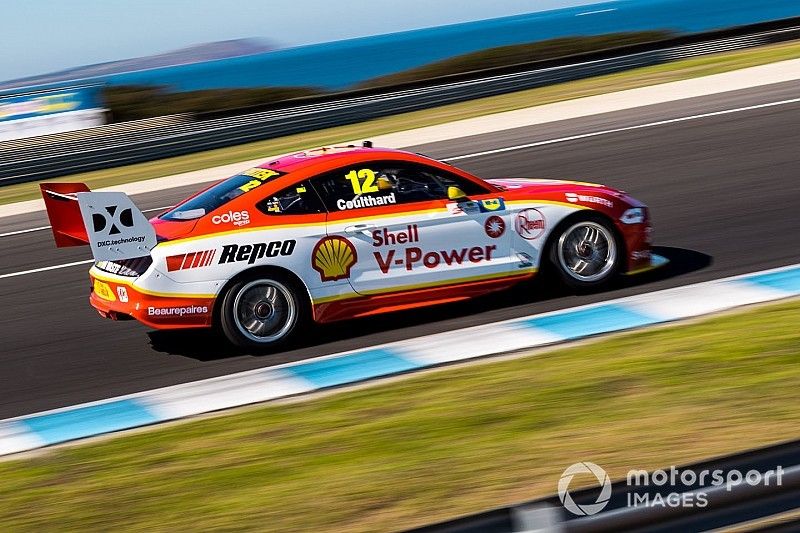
(251, 253)
(237, 218)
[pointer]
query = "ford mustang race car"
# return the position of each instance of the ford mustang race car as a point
(342, 232)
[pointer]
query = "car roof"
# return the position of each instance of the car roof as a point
(292, 162)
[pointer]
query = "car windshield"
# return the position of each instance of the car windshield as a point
(219, 195)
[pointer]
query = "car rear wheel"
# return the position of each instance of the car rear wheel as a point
(262, 312)
(586, 253)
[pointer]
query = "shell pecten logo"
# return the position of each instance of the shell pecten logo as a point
(333, 257)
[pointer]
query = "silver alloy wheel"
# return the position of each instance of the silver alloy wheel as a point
(587, 251)
(264, 311)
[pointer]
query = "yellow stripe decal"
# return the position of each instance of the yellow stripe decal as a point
(548, 202)
(430, 284)
(322, 225)
(121, 280)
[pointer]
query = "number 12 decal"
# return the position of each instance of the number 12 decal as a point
(363, 181)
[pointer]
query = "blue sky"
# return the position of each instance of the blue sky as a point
(38, 36)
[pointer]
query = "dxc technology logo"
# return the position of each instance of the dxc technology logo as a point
(115, 219)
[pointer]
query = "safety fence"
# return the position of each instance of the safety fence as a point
(127, 143)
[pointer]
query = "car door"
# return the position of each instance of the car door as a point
(393, 221)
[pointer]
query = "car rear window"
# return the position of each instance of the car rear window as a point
(220, 194)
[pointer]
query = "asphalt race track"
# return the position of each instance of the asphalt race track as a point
(724, 191)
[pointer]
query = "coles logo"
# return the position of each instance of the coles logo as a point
(494, 226)
(333, 257)
(530, 224)
(237, 218)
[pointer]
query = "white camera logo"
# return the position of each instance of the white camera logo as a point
(584, 468)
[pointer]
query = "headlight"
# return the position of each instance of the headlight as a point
(635, 215)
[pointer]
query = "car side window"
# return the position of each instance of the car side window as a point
(387, 183)
(299, 199)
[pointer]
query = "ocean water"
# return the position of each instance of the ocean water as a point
(342, 64)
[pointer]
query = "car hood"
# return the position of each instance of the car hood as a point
(520, 183)
(559, 190)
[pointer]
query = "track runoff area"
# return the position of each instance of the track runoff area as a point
(623, 153)
(152, 407)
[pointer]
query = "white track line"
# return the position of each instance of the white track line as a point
(626, 128)
(43, 269)
(40, 228)
(20, 232)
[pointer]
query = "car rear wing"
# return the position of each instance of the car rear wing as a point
(108, 222)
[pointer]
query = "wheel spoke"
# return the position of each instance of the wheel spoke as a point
(270, 294)
(252, 323)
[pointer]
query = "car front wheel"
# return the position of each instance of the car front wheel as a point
(586, 253)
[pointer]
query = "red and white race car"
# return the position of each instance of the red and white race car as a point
(336, 233)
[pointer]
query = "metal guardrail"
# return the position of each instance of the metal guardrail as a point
(116, 145)
(108, 131)
(743, 504)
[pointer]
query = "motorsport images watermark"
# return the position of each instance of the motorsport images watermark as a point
(673, 487)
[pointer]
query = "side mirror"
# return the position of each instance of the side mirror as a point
(455, 193)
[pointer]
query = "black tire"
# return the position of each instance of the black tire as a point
(263, 322)
(582, 238)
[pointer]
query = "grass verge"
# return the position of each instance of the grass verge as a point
(434, 445)
(679, 70)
